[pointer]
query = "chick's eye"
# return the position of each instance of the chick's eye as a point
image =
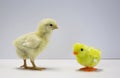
(81, 49)
(51, 25)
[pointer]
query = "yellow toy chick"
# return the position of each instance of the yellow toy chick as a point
(87, 56)
(28, 46)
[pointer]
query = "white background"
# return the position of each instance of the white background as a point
(93, 22)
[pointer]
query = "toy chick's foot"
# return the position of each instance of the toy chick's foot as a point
(88, 69)
(84, 68)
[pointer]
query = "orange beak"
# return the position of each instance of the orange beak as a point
(75, 53)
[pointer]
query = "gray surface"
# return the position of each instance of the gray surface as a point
(93, 22)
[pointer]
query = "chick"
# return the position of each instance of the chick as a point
(28, 46)
(87, 56)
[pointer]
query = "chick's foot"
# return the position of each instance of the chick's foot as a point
(38, 68)
(35, 68)
(23, 66)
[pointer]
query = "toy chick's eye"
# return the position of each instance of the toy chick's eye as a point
(81, 49)
(51, 25)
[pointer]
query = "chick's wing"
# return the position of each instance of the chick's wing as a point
(31, 42)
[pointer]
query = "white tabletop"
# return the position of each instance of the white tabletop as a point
(59, 69)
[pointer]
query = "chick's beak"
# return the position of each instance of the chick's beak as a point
(75, 53)
(56, 27)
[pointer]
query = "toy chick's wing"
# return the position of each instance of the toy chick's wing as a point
(31, 41)
(95, 54)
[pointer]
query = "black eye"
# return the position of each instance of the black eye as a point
(51, 25)
(81, 49)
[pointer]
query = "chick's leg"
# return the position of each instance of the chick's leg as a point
(25, 64)
(35, 67)
(33, 63)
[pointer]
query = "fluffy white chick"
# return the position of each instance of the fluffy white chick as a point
(28, 46)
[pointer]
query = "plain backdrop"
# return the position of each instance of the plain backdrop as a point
(92, 22)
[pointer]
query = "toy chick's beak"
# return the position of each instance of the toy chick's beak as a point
(75, 53)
